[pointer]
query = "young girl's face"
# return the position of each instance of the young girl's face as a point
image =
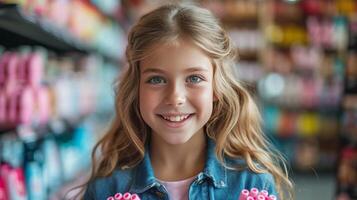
(176, 92)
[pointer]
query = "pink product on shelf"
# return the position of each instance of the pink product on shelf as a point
(18, 180)
(35, 67)
(59, 12)
(42, 101)
(3, 191)
(2, 108)
(30, 70)
(110, 198)
(11, 68)
(3, 62)
(14, 182)
(20, 106)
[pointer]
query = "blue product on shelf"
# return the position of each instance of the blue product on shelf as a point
(34, 181)
(33, 171)
(271, 117)
(52, 164)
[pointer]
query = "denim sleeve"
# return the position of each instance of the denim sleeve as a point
(266, 182)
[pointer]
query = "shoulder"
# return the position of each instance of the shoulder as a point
(245, 178)
(102, 187)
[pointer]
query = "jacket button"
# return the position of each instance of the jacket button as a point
(221, 183)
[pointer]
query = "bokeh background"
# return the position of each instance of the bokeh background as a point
(58, 60)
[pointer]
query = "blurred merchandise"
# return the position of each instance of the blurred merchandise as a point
(56, 77)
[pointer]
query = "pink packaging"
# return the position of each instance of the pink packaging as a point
(25, 106)
(2, 108)
(34, 69)
(18, 189)
(3, 63)
(20, 106)
(3, 191)
(42, 101)
(11, 68)
(31, 69)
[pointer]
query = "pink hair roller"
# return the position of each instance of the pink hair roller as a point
(250, 198)
(272, 197)
(127, 196)
(135, 197)
(254, 192)
(260, 197)
(110, 198)
(118, 196)
(264, 193)
(244, 194)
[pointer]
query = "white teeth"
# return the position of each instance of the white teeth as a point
(177, 118)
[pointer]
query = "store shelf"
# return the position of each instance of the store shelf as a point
(20, 28)
(17, 27)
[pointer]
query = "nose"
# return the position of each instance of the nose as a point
(176, 95)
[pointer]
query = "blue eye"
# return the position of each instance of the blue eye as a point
(156, 80)
(194, 79)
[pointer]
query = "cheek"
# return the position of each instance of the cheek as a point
(204, 100)
(148, 100)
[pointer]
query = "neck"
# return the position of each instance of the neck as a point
(188, 158)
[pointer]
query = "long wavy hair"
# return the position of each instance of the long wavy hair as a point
(235, 124)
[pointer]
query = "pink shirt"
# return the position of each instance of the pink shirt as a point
(178, 190)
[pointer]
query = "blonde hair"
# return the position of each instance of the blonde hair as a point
(235, 123)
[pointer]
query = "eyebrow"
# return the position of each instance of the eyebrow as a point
(191, 69)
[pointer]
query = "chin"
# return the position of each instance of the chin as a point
(177, 140)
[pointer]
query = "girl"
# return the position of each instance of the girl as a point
(184, 127)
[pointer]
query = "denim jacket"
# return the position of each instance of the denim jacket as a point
(215, 182)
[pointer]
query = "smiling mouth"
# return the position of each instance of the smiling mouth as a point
(177, 118)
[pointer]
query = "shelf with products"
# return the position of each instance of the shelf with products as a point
(303, 85)
(44, 95)
(19, 26)
(242, 20)
(39, 166)
(54, 97)
(347, 163)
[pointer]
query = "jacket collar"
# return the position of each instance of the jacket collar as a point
(214, 171)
